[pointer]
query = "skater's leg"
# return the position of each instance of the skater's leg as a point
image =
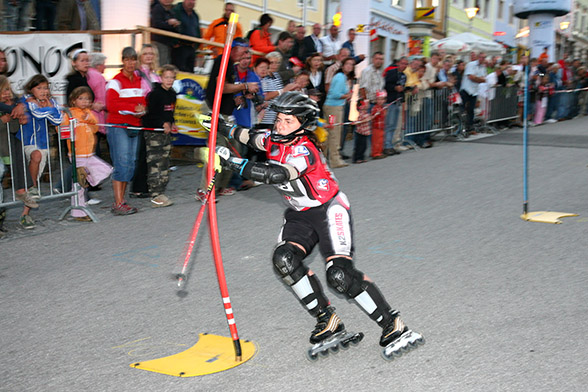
(288, 263)
(347, 280)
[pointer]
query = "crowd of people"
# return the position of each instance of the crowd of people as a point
(260, 71)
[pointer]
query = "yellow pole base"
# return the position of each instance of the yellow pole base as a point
(546, 216)
(211, 354)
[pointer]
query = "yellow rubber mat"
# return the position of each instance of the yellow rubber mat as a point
(546, 216)
(211, 354)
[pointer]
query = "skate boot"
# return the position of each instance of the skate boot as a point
(329, 335)
(397, 338)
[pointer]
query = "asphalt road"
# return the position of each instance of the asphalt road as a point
(501, 302)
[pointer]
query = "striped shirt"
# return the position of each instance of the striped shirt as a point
(272, 82)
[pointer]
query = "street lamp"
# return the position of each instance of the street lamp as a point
(471, 13)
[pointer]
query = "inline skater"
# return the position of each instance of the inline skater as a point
(318, 213)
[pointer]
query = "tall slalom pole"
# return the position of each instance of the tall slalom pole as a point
(525, 143)
(212, 221)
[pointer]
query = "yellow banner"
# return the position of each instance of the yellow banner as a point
(424, 13)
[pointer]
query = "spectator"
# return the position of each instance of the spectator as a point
(184, 53)
(458, 73)
(372, 80)
(284, 46)
(331, 45)
(260, 39)
(46, 11)
(302, 80)
(161, 103)
(273, 86)
(414, 123)
(78, 77)
(76, 15)
(474, 74)
(217, 30)
(314, 66)
(335, 67)
(239, 49)
(555, 83)
(395, 82)
(247, 104)
(378, 114)
(9, 127)
(3, 63)
(363, 132)
(349, 45)
(16, 14)
(544, 54)
(90, 169)
(146, 67)
(97, 83)
(291, 27)
(312, 43)
(298, 47)
(41, 110)
(163, 18)
(125, 102)
(339, 93)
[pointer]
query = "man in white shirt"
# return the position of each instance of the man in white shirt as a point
(372, 79)
(474, 74)
(331, 45)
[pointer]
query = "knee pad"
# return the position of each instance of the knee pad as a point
(287, 261)
(343, 277)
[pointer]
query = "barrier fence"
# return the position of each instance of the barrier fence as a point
(53, 176)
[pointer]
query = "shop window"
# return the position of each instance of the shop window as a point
(309, 3)
(398, 3)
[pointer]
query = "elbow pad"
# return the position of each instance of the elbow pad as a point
(266, 173)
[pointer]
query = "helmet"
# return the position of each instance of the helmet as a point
(302, 107)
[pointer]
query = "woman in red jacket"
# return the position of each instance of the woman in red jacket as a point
(260, 38)
(125, 101)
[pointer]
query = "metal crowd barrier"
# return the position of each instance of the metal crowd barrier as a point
(501, 104)
(428, 112)
(18, 165)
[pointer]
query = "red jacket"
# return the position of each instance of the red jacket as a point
(261, 42)
(124, 94)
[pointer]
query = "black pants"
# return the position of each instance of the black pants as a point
(469, 103)
(184, 57)
(360, 145)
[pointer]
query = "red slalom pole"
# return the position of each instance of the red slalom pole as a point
(212, 221)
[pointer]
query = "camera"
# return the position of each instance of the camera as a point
(257, 99)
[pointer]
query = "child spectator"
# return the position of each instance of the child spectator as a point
(542, 99)
(90, 169)
(363, 130)
(41, 107)
(9, 125)
(379, 125)
(161, 103)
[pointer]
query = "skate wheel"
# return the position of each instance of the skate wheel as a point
(334, 349)
(311, 357)
(387, 357)
(324, 353)
(344, 345)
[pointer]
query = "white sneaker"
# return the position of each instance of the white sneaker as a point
(93, 202)
(551, 121)
(401, 148)
(161, 201)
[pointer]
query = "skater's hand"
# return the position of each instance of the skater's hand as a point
(224, 128)
(229, 161)
(203, 155)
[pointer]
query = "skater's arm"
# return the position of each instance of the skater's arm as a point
(268, 173)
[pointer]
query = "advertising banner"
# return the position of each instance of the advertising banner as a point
(47, 54)
(189, 104)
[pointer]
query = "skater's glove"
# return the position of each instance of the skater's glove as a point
(203, 155)
(229, 161)
(224, 128)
